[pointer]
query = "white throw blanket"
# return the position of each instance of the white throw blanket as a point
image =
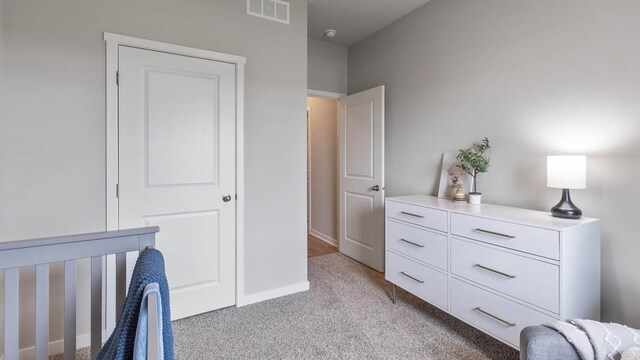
(143, 331)
(594, 340)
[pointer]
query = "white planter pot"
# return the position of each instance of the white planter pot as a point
(475, 198)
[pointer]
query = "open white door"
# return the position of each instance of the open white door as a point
(177, 118)
(361, 176)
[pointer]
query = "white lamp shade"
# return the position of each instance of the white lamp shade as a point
(567, 171)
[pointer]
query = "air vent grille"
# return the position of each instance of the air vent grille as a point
(275, 10)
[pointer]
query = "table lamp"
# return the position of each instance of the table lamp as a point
(566, 172)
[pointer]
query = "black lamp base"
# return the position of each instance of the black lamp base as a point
(565, 208)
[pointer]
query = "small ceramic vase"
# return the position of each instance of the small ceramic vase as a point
(475, 198)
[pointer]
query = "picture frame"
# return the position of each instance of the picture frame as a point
(450, 175)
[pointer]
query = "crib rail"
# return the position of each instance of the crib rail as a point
(67, 249)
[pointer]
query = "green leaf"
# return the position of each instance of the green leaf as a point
(472, 160)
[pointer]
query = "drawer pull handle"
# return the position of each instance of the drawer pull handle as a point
(496, 233)
(410, 214)
(412, 243)
(411, 277)
(495, 271)
(509, 324)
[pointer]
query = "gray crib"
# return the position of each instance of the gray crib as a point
(69, 249)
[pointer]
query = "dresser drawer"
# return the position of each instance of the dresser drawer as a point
(431, 218)
(428, 284)
(468, 303)
(424, 245)
(530, 280)
(525, 238)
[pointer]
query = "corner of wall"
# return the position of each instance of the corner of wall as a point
(1, 116)
(326, 66)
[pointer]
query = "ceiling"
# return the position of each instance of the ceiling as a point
(354, 20)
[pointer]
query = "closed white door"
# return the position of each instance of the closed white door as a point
(177, 170)
(361, 177)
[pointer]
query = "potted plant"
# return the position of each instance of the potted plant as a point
(474, 162)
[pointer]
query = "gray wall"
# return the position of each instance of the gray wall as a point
(538, 78)
(53, 124)
(1, 152)
(1, 91)
(327, 66)
(323, 150)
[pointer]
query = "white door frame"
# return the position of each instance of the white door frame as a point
(324, 94)
(330, 96)
(112, 43)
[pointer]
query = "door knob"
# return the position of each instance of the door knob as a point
(376, 188)
(226, 197)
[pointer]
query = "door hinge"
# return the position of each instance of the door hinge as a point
(117, 77)
(117, 190)
(236, 196)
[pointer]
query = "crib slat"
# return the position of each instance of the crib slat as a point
(96, 305)
(70, 310)
(42, 311)
(11, 312)
(121, 282)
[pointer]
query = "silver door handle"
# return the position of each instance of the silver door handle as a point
(412, 243)
(495, 271)
(377, 188)
(496, 233)
(226, 197)
(509, 324)
(411, 277)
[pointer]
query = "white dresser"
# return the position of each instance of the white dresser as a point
(497, 268)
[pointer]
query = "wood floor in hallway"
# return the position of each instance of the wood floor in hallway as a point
(317, 247)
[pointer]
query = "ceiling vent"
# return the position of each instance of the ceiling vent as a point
(275, 10)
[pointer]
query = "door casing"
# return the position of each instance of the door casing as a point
(113, 41)
(321, 95)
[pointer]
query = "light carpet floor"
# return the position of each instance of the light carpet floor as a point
(347, 314)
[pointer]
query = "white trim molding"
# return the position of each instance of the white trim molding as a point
(171, 48)
(274, 293)
(324, 94)
(113, 41)
(316, 233)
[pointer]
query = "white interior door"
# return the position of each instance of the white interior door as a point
(176, 164)
(361, 177)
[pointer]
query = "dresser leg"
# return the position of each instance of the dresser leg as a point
(393, 293)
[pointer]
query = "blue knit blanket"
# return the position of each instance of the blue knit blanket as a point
(149, 269)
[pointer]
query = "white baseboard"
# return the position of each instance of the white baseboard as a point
(272, 294)
(55, 347)
(328, 239)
